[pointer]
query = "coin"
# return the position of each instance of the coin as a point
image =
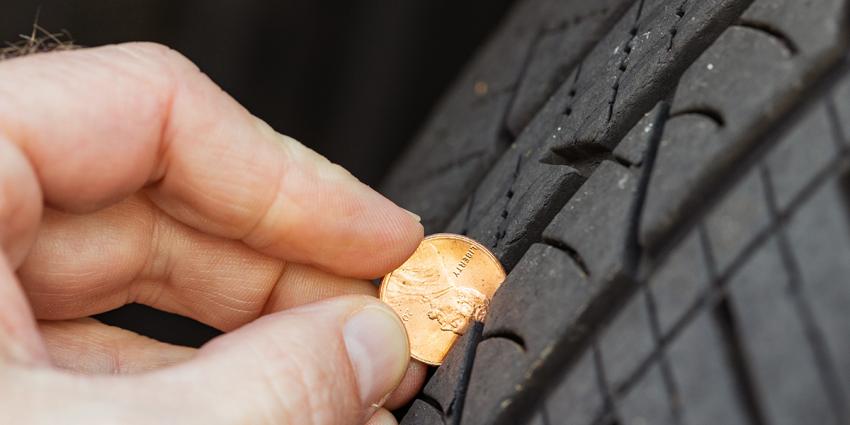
(444, 285)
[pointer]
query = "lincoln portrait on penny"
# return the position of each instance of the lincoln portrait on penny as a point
(452, 307)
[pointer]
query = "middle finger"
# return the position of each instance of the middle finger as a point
(132, 252)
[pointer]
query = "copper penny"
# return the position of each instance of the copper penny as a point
(445, 284)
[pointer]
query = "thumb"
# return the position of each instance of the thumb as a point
(333, 362)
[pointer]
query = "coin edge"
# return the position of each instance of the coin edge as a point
(443, 236)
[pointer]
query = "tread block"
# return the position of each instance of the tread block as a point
(442, 386)
(557, 292)
(633, 146)
(627, 341)
(726, 100)
(464, 137)
(582, 139)
(684, 146)
(557, 52)
(640, 69)
(678, 282)
(494, 381)
(820, 236)
(577, 400)
(808, 26)
(469, 131)
(696, 141)
(647, 402)
(543, 76)
(600, 67)
(706, 388)
(522, 203)
(736, 221)
(743, 60)
(588, 123)
(422, 413)
(428, 184)
(774, 337)
(595, 221)
(797, 158)
(565, 307)
(668, 37)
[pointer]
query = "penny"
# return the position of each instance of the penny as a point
(439, 290)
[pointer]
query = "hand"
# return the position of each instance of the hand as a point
(126, 176)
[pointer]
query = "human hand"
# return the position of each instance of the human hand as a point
(126, 176)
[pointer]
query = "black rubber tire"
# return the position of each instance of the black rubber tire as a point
(668, 184)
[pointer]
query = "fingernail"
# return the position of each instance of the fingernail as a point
(377, 347)
(414, 215)
(382, 417)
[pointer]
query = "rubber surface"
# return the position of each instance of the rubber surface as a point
(668, 184)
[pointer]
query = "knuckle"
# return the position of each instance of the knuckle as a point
(156, 64)
(160, 54)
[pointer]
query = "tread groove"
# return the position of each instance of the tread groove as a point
(455, 412)
(572, 253)
(526, 63)
(770, 31)
(573, 90)
(501, 229)
(838, 136)
(825, 365)
(610, 405)
(584, 157)
(544, 416)
(670, 385)
(703, 198)
(680, 13)
(705, 112)
(425, 398)
(508, 335)
(844, 183)
(711, 296)
(725, 319)
(634, 251)
(627, 49)
(440, 169)
(468, 216)
(707, 193)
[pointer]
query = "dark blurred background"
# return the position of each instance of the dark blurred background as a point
(351, 79)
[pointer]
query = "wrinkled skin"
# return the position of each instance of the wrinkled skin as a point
(126, 176)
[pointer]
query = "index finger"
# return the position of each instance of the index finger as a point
(99, 124)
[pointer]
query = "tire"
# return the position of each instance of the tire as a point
(668, 184)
